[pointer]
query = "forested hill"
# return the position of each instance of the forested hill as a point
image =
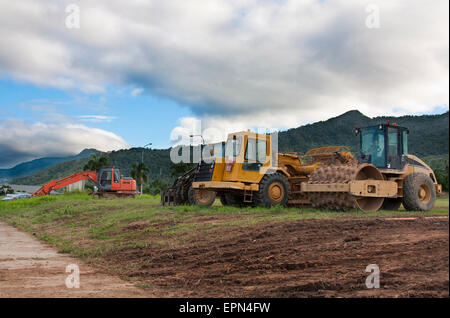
(158, 160)
(428, 137)
(428, 133)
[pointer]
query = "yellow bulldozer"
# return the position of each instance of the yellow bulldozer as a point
(248, 171)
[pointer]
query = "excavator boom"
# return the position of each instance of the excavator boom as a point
(57, 184)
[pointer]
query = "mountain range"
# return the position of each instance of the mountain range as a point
(33, 166)
(428, 138)
(428, 134)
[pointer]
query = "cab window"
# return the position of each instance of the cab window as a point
(392, 142)
(218, 150)
(256, 150)
(405, 142)
(372, 143)
(106, 178)
(116, 176)
(233, 147)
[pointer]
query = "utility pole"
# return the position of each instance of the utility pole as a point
(142, 159)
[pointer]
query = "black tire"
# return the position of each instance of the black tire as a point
(195, 197)
(278, 186)
(419, 193)
(235, 200)
(392, 204)
(223, 200)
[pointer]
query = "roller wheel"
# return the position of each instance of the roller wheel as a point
(342, 201)
(274, 190)
(201, 197)
(419, 193)
(392, 204)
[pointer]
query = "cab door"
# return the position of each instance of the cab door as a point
(105, 179)
(393, 149)
(115, 184)
(255, 157)
(233, 158)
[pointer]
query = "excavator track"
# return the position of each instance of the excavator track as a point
(342, 201)
(113, 195)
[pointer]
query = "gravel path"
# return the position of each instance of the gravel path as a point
(29, 268)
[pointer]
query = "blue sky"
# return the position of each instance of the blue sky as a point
(105, 74)
(137, 119)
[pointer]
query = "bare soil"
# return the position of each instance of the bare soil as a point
(304, 258)
(301, 258)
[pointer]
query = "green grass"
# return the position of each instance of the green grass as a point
(88, 227)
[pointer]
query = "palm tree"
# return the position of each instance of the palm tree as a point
(95, 163)
(138, 173)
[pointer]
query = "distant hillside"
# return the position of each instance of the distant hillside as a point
(437, 162)
(33, 166)
(428, 137)
(428, 133)
(157, 160)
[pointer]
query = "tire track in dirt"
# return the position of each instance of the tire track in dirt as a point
(305, 258)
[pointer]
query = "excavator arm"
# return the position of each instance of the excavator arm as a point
(57, 184)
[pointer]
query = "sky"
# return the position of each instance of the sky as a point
(110, 74)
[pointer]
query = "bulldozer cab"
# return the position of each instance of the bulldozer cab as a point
(246, 156)
(385, 146)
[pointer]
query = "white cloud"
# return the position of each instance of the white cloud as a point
(20, 140)
(96, 118)
(254, 62)
(188, 126)
(136, 92)
(216, 128)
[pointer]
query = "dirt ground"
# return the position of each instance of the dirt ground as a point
(304, 258)
(28, 268)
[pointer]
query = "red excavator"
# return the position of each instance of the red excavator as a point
(109, 181)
